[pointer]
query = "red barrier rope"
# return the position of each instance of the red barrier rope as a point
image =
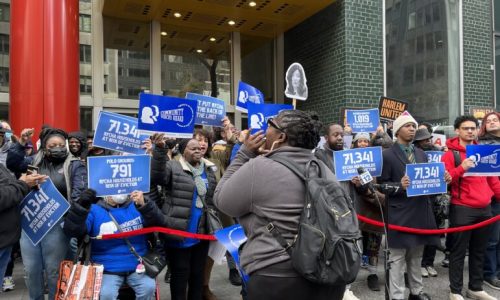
(430, 231)
(360, 217)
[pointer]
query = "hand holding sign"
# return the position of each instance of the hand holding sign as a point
(137, 197)
(33, 180)
(405, 182)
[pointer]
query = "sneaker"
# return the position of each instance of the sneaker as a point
(8, 284)
(446, 262)
(424, 271)
(479, 295)
(234, 277)
(373, 282)
(432, 272)
(349, 295)
(493, 283)
(456, 297)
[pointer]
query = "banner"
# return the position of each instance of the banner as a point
(232, 238)
(366, 120)
(119, 133)
(390, 109)
(426, 179)
(434, 156)
(248, 94)
(347, 162)
(258, 114)
(117, 175)
(41, 210)
(210, 111)
(173, 116)
(486, 158)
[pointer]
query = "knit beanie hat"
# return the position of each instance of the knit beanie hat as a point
(361, 135)
(403, 119)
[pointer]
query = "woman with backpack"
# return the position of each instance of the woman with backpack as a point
(268, 192)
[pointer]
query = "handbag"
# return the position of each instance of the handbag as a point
(153, 262)
(213, 223)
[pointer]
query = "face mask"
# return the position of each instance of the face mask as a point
(8, 135)
(119, 199)
(57, 154)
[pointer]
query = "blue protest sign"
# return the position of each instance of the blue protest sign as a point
(232, 238)
(426, 179)
(210, 111)
(248, 94)
(258, 114)
(347, 162)
(434, 156)
(116, 175)
(118, 132)
(41, 210)
(173, 116)
(366, 120)
(486, 158)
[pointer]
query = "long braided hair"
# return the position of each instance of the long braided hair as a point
(302, 128)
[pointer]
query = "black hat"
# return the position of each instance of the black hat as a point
(422, 134)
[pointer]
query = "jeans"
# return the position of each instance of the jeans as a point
(47, 255)
(492, 258)
(187, 265)
(143, 286)
(4, 260)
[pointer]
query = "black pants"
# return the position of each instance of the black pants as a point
(263, 287)
(428, 256)
(187, 265)
(475, 240)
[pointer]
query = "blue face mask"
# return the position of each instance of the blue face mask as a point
(8, 135)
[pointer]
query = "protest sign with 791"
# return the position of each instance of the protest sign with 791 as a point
(124, 170)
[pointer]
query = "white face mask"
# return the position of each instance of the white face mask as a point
(119, 199)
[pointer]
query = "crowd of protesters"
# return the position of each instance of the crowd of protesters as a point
(220, 168)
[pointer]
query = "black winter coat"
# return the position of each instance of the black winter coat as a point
(415, 212)
(12, 192)
(178, 185)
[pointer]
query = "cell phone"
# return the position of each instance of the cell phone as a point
(32, 170)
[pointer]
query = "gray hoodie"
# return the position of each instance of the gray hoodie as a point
(255, 188)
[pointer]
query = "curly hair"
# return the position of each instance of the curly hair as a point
(301, 128)
(465, 118)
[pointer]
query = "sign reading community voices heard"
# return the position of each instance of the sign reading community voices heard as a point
(259, 114)
(41, 210)
(347, 162)
(486, 158)
(173, 116)
(118, 175)
(210, 111)
(426, 179)
(119, 133)
(365, 120)
(248, 94)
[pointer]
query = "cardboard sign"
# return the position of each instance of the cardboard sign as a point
(119, 133)
(232, 238)
(41, 210)
(486, 158)
(479, 112)
(439, 139)
(347, 162)
(434, 156)
(365, 120)
(296, 82)
(173, 116)
(390, 109)
(248, 94)
(118, 175)
(258, 114)
(210, 111)
(426, 179)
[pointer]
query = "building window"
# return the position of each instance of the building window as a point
(4, 76)
(4, 44)
(85, 22)
(85, 54)
(4, 12)
(85, 85)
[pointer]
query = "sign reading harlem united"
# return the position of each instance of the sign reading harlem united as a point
(118, 175)
(171, 115)
(347, 162)
(41, 210)
(390, 109)
(486, 159)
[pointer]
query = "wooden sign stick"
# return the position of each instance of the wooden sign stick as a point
(294, 103)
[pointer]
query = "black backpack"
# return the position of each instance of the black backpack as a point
(327, 247)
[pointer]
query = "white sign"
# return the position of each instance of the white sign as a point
(296, 82)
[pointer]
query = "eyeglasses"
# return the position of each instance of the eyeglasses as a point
(468, 128)
(271, 123)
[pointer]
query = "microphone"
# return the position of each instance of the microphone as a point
(366, 178)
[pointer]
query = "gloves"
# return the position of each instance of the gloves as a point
(87, 198)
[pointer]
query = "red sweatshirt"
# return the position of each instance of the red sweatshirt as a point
(476, 191)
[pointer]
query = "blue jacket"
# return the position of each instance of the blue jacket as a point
(113, 254)
(74, 169)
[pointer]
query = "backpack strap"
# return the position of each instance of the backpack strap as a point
(458, 161)
(291, 165)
